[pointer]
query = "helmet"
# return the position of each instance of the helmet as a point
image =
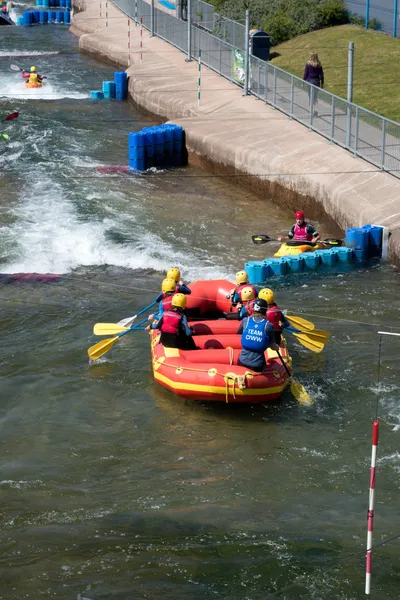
(247, 294)
(168, 285)
(260, 306)
(299, 215)
(267, 295)
(241, 277)
(33, 69)
(179, 300)
(174, 273)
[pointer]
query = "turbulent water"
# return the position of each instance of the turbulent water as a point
(112, 487)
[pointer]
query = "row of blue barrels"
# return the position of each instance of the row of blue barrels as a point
(50, 3)
(160, 146)
(31, 17)
(366, 241)
(117, 89)
(259, 271)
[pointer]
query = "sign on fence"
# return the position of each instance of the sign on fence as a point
(238, 65)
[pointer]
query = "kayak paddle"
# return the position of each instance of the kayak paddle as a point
(296, 388)
(4, 137)
(299, 322)
(11, 116)
(262, 239)
(129, 320)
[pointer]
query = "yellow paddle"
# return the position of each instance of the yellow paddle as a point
(109, 329)
(309, 344)
(299, 322)
(101, 348)
(296, 388)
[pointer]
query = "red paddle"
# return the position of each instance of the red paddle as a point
(11, 116)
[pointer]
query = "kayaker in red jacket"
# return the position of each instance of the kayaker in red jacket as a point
(301, 231)
(33, 76)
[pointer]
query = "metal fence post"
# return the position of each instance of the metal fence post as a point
(356, 132)
(383, 144)
(246, 54)
(274, 94)
(266, 81)
(366, 13)
(350, 71)
(333, 118)
(291, 96)
(189, 30)
(152, 19)
(395, 18)
(311, 104)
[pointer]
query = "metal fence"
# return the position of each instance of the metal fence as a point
(362, 132)
(204, 16)
(385, 11)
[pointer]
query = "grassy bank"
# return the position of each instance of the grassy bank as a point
(376, 64)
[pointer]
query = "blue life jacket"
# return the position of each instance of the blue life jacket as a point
(255, 336)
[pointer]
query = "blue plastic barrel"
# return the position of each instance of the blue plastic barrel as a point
(178, 145)
(295, 263)
(45, 3)
(67, 17)
(278, 266)
(96, 95)
(136, 150)
(109, 89)
(59, 16)
(61, 3)
(159, 139)
(39, 2)
(253, 270)
(361, 248)
(121, 85)
(375, 240)
(311, 260)
(20, 21)
(43, 17)
(168, 145)
(266, 271)
(27, 18)
(350, 240)
(35, 16)
(328, 257)
(150, 146)
(345, 254)
(52, 16)
(68, 4)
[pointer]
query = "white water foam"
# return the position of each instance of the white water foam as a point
(49, 236)
(16, 89)
(5, 53)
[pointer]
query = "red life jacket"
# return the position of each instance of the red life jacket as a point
(300, 233)
(171, 322)
(240, 288)
(274, 316)
(166, 302)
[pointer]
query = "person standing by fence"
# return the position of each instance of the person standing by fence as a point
(314, 74)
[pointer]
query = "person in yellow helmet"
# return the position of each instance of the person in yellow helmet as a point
(248, 298)
(242, 281)
(274, 314)
(175, 331)
(33, 76)
(181, 288)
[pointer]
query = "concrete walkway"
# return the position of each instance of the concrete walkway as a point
(242, 135)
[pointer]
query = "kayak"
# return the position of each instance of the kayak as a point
(33, 85)
(293, 247)
(211, 372)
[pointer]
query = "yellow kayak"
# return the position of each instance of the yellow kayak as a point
(292, 247)
(33, 85)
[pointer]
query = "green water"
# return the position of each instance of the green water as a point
(111, 487)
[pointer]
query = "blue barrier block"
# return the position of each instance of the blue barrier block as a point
(35, 16)
(68, 4)
(39, 2)
(150, 146)
(61, 4)
(27, 18)
(45, 3)
(375, 240)
(43, 17)
(328, 257)
(311, 260)
(253, 269)
(295, 263)
(136, 151)
(121, 85)
(52, 16)
(345, 254)
(109, 89)
(279, 266)
(20, 21)
(159, 139)
(96, 95)
(59, 16)
(168, 145)
(178, 145)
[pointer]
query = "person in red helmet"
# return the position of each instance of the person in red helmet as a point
(301, 231)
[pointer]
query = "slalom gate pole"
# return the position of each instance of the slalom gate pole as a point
(141, 40)
(199, 80)
(370, 526)
(129, 42)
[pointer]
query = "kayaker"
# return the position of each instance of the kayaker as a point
(274, 315)
(33, 76)
(181, 288)
(245, 307)
(257, 336)
(301, 231)
(175, 331)
(242, 281)
(168, 289)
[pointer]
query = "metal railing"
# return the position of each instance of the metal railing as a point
(385, 11)
(362, 132)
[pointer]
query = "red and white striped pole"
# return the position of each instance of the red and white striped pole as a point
(129, 42)
(141, 40)
(375, 435)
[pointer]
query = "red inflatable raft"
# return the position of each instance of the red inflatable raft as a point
(212, 372)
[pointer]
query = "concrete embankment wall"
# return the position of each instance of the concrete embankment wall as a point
(242, 135)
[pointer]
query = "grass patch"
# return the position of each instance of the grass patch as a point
(376, 64)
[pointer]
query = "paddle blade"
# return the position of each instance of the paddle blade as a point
(11, 116)
(101, 348)
(299, 322)
(4, 137)
(299, 393)
(127, 322)
(308, 343)
(108, 329)
(261, 239)
(15, 68)
(319, 333)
